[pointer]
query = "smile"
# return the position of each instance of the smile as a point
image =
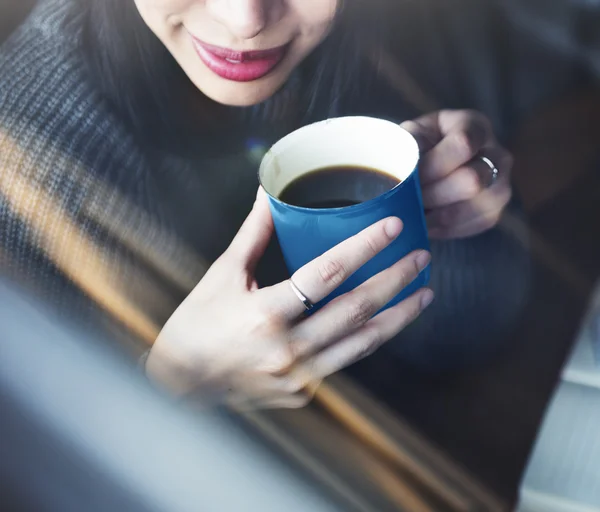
(239, 66)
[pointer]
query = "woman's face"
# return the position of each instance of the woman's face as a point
(239, 52)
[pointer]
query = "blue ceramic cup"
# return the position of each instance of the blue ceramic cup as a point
(306, 233)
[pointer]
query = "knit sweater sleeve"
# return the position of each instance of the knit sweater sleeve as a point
(73, 182)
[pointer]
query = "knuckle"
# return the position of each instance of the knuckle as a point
(473, 137)
(299, 401)
(406, 274)
(278, 362)
(294, 386)
(361, 311)
(267, 322)
(408, 277)
(278, 365)
(332, 272)
(363, 351)
(478, 123)
(466, 144)
(265, 316)
(373, 340)
(470, 183)
(479, 119)
(371, 244)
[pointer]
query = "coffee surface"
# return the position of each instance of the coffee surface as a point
(337, 187)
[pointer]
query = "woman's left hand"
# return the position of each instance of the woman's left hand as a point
(460, 195)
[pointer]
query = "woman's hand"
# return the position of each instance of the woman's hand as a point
(458, 192)
(255, 344)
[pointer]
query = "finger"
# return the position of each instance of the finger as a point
(468, 181)
(370, 337)
(464, 140)
(323, 275)
(488, 200)
(254, 236)
(426, 131)
(471, 217)
(496, 157)
(462, 185)
(351, 311)
(474, 227)
(431, 128)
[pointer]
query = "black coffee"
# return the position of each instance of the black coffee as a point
(338, 186)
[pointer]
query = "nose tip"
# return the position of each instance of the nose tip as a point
(247, 18)
(247, 30)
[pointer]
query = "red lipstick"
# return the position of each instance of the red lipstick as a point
(236, 65)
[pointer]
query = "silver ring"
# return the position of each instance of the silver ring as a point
(305, 300)
(494, 172)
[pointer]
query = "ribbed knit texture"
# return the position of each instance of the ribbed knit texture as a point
(65, 154)
(63, 150)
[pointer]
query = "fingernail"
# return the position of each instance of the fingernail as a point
(427, 298)
(423, 259)
(393, 227)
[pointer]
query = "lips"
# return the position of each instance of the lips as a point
(239, 66)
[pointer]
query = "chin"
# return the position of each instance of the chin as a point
(234, 94)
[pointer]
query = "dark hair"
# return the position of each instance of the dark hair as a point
(153, 94)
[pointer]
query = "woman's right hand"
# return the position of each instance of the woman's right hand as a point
(256, 345)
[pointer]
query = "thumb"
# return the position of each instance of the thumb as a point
(254, 236)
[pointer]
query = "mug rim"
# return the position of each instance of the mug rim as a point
(342, 209)
(284, 143)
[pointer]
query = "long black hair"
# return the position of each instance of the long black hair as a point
(165, 110)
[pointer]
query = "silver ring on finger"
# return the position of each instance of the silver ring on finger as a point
(303, 298)
(494, 172)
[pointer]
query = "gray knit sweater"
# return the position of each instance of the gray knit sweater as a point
(83, 206)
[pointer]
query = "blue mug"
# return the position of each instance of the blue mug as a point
(306, 233)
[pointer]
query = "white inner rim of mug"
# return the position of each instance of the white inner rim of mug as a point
(348, 141)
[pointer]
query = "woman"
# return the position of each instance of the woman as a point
(139, 122)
